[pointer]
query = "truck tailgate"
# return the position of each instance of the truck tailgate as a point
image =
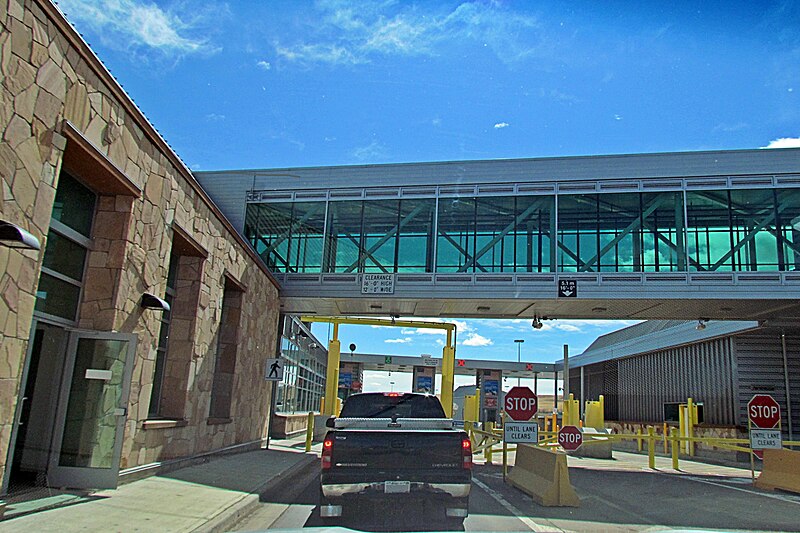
(397, 450)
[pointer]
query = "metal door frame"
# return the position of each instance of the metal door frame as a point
(88, 477)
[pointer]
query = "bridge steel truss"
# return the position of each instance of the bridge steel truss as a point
(718, 228)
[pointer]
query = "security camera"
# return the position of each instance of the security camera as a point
(536, 324)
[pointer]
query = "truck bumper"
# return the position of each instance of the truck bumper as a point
(338, 490)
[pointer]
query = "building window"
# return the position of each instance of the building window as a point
(163, 339)
(68, 244)
(172, 378)
(227, 346)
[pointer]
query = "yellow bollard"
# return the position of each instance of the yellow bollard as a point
(675, 445)
(487, 452)
(664, 435)
(691, 416)
(309, 431)
(651, 446)
(639, 439)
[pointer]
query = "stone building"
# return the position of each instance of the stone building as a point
(137, 334)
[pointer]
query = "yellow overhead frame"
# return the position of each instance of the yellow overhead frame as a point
(334, 351)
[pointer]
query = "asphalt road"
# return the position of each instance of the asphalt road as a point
(610, 501)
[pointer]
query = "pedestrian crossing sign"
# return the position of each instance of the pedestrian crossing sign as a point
(274, 370)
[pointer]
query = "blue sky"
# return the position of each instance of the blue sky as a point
(293, 83)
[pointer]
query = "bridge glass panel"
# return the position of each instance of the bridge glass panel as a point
(415, 235)
(344, 245)
(379, 246)
(268, 227)
(455, 246)
(494, 235)
(663, 238)
(533, 226)
(625, 232)
(287, 236)
(733, 230)
(788, 201)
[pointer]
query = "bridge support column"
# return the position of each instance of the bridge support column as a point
(332, 375)
(448, 374)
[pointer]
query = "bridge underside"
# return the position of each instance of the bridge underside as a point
(675, 296)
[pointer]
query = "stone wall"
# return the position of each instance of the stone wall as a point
(148, 201)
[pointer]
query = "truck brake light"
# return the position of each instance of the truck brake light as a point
(327, 453)
(466, 453)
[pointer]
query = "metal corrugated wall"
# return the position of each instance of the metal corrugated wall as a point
(760, 367)
(599, 379)
(701, 371)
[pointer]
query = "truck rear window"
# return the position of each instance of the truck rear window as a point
(371, 405)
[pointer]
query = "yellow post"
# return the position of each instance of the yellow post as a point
(448, 374)
(505, 448)
(309, 431)
(639, 439)
(487, 452)
(651, 446)
(664, 434)
(332, 375)
(675, 447)
(690, 420)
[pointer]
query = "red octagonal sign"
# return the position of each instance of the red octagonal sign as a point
(520, 404)
(570, 438)
(763, 411)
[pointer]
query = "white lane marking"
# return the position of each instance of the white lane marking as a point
(773, 496)
(533, 526)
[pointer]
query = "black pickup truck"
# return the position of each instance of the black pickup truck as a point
(395, 447)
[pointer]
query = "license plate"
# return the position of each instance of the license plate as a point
(397, 487)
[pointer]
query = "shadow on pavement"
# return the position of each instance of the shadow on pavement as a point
(242, 472)
(659, 499)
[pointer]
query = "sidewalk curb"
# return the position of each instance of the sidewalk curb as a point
(225, 518)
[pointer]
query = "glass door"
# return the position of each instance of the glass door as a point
(92, 410)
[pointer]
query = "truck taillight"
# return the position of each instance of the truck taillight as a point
(327, 453)
(466, 453)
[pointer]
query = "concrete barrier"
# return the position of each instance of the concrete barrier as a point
(781, 471)
(544, 476)
(600, 448)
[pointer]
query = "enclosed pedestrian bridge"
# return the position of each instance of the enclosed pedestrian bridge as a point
(712, 235)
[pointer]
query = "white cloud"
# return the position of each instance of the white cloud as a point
(264, 65)
(567, 327)
(784, 142)
(501, 125)
(473, 339)
(132, 24)
(214, 117)
(404, 340)
(350, 32)
(373, 152)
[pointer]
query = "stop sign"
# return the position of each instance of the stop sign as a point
(520, 404)
(763, 411)
(570, 438)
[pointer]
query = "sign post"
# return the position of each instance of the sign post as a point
(764, 426)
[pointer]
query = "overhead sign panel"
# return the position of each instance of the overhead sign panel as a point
(567, 288)
(377, 284)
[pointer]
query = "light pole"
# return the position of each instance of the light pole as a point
(519, 350)
(391, 383)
